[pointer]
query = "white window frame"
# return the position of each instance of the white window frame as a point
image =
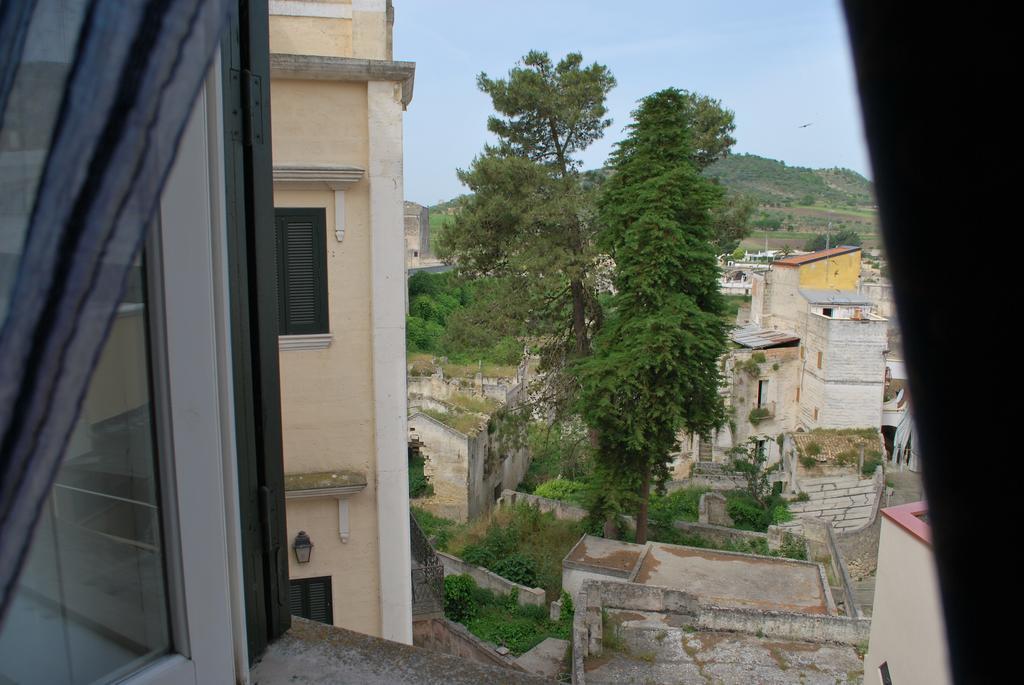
(193, 398)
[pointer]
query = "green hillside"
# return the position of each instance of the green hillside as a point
(774, 183)
(794, 203)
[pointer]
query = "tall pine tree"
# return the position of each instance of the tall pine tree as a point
(529, 223)
(654, 370)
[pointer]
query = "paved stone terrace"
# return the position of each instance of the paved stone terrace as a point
(846, 501)
(316, 654)
(737, 580)
(653, 648)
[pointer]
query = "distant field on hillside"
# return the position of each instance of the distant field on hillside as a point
(794, 239)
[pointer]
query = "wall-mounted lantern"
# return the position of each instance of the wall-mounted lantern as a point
(303, 547)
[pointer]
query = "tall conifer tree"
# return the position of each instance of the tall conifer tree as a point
(654, 370)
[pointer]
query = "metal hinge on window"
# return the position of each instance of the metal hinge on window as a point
(252, 102)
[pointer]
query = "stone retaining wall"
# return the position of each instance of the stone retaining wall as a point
(449, 637)
(562, 510)
(596, 595)
(568, 512)
(786, 626)
(492, 581)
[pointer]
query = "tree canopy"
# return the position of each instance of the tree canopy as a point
(655, 370)
(529, 222)
(845, 236)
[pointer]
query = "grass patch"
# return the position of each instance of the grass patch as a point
(500, 618)
(469, 424)
(418, 485)
(480, 405)
(611, 637)
(452, 370)
(733, 303)
(439, 530)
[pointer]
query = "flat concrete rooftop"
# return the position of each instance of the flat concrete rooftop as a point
(610, 555)
(735, 580)
(725, 579)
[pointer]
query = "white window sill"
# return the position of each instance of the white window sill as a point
(317, 341)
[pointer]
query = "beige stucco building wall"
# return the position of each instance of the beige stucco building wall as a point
(907, 626)
(336, 113)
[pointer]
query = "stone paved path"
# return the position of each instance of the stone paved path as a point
(546, 659)
(846, 501)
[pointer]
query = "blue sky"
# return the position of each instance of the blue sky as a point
(777, 65)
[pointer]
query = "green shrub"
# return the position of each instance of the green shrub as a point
(458, 598)
(802, 497)
(808, 462)
(418, 485)
(870, 465)
(518, 569)
(422, 335)
(478, 555)
(567, 605)
(561, 489)
(683, 504)
(812, 449)
(757, 415)
(847, 458)
(793, 547)
(780, 514)
(746, 514)
(750, 367)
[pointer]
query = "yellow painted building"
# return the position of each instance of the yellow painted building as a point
(835, 269)
(337, 99)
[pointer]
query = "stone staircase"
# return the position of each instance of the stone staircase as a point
(846, 501)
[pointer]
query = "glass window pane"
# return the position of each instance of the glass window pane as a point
(91, 604)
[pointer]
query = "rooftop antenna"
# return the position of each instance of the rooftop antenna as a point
(828, 242)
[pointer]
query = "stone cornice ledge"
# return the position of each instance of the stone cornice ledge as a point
(349, 69)
(316, 176)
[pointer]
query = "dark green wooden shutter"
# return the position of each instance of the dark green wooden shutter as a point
(311, 598)
(254, 302)
(302, 271)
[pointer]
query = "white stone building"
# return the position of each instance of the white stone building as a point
(812, 356)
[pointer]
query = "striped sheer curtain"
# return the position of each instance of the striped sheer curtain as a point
(94, 96)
